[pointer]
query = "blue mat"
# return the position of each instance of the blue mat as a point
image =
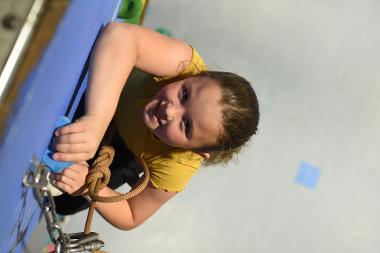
(52, 89)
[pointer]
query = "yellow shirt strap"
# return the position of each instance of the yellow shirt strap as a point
(196, 66)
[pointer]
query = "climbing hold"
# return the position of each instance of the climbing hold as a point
(164, 31)
(47, 158)
(131, 10)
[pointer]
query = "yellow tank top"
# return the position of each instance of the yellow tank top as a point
(170, 168)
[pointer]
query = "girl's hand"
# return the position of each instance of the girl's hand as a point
(73, 179)
(79, 141)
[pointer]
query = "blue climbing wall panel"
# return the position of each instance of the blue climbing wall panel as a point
(52, 89)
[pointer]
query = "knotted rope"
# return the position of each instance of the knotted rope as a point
(99, 176)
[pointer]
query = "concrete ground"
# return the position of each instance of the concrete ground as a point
(309, 181)
(50, 17)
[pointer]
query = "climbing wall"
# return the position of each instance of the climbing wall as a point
(53, 88)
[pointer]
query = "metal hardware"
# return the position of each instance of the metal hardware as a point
(65, 243)
(79, 242)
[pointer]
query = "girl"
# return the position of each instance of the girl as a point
(174, 119)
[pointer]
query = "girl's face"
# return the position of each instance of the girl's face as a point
(186, 113)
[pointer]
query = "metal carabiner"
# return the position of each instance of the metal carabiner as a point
(58, 248)
(79, 242)
(38, 179)
(36, 172)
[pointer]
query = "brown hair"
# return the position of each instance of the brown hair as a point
(240, 110)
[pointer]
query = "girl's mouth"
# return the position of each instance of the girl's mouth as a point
(156, 113)
(150, 114)
(156, 119)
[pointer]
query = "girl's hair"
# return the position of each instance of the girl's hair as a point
(240, 116)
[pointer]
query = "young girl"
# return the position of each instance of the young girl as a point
(174, 119)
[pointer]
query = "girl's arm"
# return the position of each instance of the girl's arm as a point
(125, 214)
(119, 48)
(128, 214)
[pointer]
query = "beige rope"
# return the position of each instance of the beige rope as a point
(99, 176)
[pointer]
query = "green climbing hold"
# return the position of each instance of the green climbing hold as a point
(130, 9)
(164, 31)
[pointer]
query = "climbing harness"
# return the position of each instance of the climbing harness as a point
(97, 178)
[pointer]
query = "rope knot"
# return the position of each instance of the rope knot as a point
(99, 173)
(99, 176)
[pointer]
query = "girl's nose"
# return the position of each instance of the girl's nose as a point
(172, 111)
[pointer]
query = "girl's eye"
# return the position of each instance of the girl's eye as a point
(184, 95)
(187, 126)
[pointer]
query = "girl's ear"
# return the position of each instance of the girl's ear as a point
(205, 155)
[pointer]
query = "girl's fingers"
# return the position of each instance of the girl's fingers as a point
(64, 187)
(71, 148)
(67, 174)
(75, 127)
(70, 179)
(71, 173)
(72, 157)
(70, 138)
(66, 180)
(79, 168)
(83, 163)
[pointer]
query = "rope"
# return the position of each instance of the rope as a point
(99, 176)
